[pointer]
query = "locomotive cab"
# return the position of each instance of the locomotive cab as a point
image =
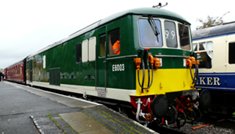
(166, 69)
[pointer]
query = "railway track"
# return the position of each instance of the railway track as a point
(211, 124)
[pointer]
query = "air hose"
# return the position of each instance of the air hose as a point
(191, 62)
(150, 71)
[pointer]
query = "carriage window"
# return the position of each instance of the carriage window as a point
(78, 53)
(114, 42)
(231, 53)
(170, 34)
(44, 61)
(184, 37)
(195, 47)
(102, 45)
(150, 32)
(205, 54)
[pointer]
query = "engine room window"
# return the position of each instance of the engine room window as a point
(79, 53)
(92, 49)
(205, 54)
(85, 51)
(114, 42)
(150, 32)
(184, 37)
(170, 34)
(102, 45)
(231, 53)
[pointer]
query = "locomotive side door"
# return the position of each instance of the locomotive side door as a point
(101, 62)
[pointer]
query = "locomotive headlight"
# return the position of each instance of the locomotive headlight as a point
(184, 62)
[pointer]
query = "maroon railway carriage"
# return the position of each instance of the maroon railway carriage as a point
(16, 72)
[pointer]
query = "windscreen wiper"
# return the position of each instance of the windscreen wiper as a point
(154, 27)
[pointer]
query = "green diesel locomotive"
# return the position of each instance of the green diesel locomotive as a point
(141, 56)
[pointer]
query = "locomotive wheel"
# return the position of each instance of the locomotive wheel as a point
(171, 115)
(159, 106)
(193, 115)
(181, 119)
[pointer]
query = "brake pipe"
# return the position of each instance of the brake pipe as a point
(139, 112)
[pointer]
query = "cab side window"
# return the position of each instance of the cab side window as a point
(114, 42)
(184, 37)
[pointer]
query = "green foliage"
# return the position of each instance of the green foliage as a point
(211, 21)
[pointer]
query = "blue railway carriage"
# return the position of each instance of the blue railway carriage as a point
(215, 48)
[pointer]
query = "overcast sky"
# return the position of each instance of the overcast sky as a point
(27, 26)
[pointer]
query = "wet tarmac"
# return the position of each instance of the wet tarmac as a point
(18, 104)
(29, 110)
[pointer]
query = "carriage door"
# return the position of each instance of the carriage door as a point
(30, 71)
(101, 63)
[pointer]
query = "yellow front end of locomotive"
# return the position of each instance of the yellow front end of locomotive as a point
(162, 81)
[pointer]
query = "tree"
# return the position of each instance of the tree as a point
(211, 21)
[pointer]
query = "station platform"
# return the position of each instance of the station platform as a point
(25, 109)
